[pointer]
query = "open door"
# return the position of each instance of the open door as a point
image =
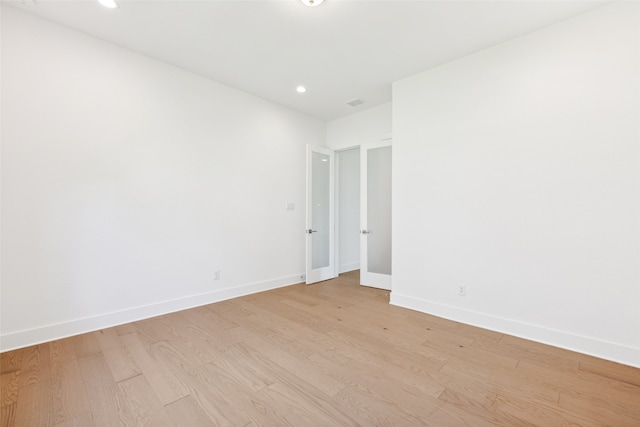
(320, 215)
(375, 215)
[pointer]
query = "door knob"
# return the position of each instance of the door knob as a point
(366, 232)
(311, 231)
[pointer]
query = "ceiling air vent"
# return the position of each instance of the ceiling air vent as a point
(355, 102)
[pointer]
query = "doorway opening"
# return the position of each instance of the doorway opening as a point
(351, 220)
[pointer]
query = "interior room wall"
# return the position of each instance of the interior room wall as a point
(516, 174)
(359, 128)
(128, 183)
(348, 188)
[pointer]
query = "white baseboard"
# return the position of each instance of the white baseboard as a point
(345, 268)
(56, 331)
(581, 344)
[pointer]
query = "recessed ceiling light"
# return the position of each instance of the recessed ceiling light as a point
(301, 89)
(111, 4)
(312, 3)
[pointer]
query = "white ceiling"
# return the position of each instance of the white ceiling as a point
(340, 50)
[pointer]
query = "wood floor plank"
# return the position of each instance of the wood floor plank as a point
(536, 352)
(202, 328)
(521, 411)
(35, 405)
(121, 363)
(187, 412)
(165, 385)
(585, 383)
(68, 390)
(295, 312)
(428, 321)
(11, 361)
(213, 318)
(127, 328)
(236, 305)
(143, 404)
(86, 345)
(286, 387)
(84, 420)
(117, 356)
(300, 411)
(35, 364)
(253, 404)
(478, 334)
(272, 329)
(8, 415)
(156, 329)
(63, 349)
(108, 404)
(9, 384)
(467, 354)
(473, 402)
(375, 411)
(410, 397)
(107, 339)
(501, 380)
(206, 389)
(611, 370)
(303, 369)
(241, 366)
(186, 336)
(413, 363)
(601, 411)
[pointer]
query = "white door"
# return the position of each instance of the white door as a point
(375, 215)
(320, 215)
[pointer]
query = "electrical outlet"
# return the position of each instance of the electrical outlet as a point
(462, 290)
(216, 275)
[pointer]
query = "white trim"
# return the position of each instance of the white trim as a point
(345, 268)
(351, 147)
(336, 216)
(593, 347)
(56, 331)
(385, 137)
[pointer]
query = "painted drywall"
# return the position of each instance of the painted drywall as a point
(127, 183)
(348, 196)
(516, 173)
(365, 126)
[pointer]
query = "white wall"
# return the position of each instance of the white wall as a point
(126, 183)
(348, 162)
(517, 174)
(359, 128)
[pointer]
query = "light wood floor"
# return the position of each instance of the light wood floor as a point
(329, 354)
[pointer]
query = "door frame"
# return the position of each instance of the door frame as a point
(381, 139)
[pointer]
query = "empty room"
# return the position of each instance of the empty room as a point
(319, 213)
